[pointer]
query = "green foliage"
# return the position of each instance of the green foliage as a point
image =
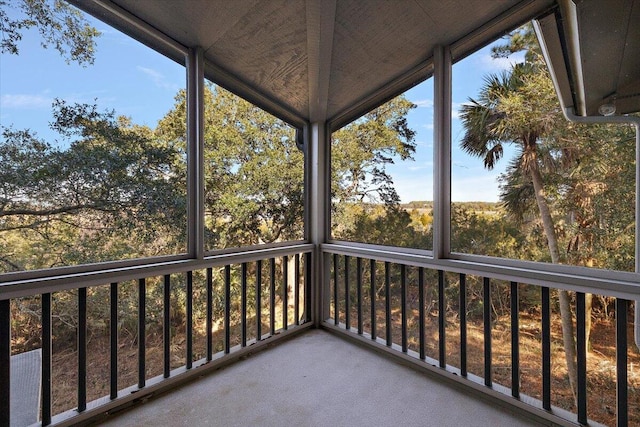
(59, 24)
(360, 184)
(390, 226)
(254, 172)
(584, 201)
(110, 187)
(491, 234)
(361, 151)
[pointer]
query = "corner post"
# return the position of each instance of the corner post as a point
(195, 153)
(442, 153)
(319, 202)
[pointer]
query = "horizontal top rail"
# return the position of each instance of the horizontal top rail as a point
(618, 284)
(55, 283)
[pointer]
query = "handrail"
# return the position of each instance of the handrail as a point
(39, 285)
(625, 285)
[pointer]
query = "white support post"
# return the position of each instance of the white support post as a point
(442, 153)
(319, 203)
(195, 153)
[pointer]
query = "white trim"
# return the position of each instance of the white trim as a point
(569, 13)
(265, 246)
(383, 248)
(502, 24)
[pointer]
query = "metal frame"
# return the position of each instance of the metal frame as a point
(195, 153)
(317, 209)
(442, 153)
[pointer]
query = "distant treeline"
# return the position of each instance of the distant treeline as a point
(470, 206)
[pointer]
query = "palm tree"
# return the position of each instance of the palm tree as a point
(518, 107)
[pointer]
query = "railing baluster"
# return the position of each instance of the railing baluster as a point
(372, 290)
(259, 300)
(463, 324)
(285, 292)
(189, 319)
(142, 302)
(387, 297)
(166, 325)
(622, 391)
(113, 335)
(546, 348)
(403, 306)
(307, 287)
(46, 359)
(581, 347)
(82, 349)
(421, 313)
(486, 305)
(227, 308)
(359, 292)
(442, 347)
(296, 290)
(347, 295)
(515, 341)
(272, 297)
(5, 362)
(243, 304)
(336, 316)
(209, 321)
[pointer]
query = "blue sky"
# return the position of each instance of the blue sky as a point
(137, 82)
(470, 181)
(126, 76)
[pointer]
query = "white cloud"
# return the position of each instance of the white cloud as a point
(158, 78)
(25, 101)
(495, 65)
(424, 103)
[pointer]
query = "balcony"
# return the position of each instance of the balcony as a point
(412, 326)
(322, 331)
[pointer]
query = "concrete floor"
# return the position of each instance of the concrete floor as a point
(316, 379)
